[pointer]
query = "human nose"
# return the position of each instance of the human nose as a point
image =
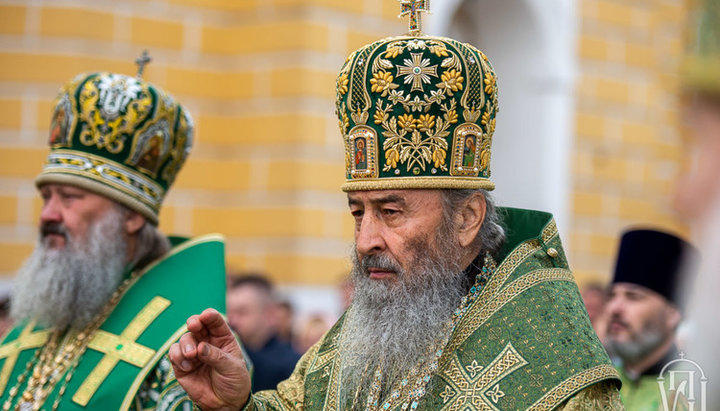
(51, 210)
(369, 236)
(614, 307)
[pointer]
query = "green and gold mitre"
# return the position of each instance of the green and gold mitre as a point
(701, 68)
(417, 111)
(120, 137)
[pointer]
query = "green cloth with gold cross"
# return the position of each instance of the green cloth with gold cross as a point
(130, 346)
(525, 343)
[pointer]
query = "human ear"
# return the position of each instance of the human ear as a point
(471, 217)
(133, 223)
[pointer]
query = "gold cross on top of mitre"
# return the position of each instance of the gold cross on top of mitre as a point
(413, 8)
(141, 62)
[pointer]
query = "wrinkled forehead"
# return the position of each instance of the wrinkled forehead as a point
(84, 199)
(395, 196)
(64, 187)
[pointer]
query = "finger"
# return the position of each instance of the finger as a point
(195, 326)
(220, 360)
(180, 364)
(214, 323)
(188, 346)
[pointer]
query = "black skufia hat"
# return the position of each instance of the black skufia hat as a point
(658, 261)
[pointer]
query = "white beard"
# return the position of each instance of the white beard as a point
(68, 287)
(393, 327)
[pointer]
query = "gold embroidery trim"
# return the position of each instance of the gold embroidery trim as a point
(332, 398)
(549, 232)
(472, 321)
(127, 402)
(132, 392)
(502, 273)
(506, 268)
(67, 161)
(128, 351)
(11, 350)
(401, 183)
(120, 348)
(572, 385)
(140, 377)
(322, 360)
(470, 383)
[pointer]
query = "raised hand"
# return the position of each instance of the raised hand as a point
(209, 364)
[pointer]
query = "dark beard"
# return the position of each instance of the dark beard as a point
(642, 343)
(70, 286)
(395, 327)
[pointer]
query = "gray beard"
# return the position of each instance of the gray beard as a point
(68, 287)
(633, 351)
(396, 327)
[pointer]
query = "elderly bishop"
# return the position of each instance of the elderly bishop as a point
(459, 304)
(105, 294)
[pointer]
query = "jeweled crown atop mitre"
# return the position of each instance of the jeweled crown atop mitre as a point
(120, 137)
(417, 111)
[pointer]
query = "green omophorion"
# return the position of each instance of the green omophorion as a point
(127, 354)
(525, 343)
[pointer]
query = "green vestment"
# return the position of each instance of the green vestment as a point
(525, 342)
(644, 393)
(124, 365)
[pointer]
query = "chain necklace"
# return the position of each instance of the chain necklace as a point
(54, 359)
(421, 374)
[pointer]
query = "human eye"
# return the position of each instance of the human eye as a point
(70, 195)
(357, 213)
(390, 211)
(391, 214)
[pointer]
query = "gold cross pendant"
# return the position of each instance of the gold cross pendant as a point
(413, 8)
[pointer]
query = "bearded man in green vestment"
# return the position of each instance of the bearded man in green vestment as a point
(643, 314)
(459, 304)
(97, 304)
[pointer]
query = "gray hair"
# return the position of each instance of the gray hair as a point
(491, 236)
(151, 243)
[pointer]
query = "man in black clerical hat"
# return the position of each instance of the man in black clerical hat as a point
(644, 311)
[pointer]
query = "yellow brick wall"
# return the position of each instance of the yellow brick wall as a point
(628, 149)
(258, 77)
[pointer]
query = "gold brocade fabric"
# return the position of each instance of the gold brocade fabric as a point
(602, 396)
(599, 397)
(525, 343)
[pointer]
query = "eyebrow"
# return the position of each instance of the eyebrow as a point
(633, 289)
(392, 198)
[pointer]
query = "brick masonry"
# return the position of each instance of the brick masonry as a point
(258, 77)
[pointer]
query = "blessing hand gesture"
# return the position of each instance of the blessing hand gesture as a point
(209, 364)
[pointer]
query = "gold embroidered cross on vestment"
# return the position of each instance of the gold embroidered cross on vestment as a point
(10, 351)
(473, 386)
(120, 348)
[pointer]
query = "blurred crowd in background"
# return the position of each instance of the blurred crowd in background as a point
(592, 105)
